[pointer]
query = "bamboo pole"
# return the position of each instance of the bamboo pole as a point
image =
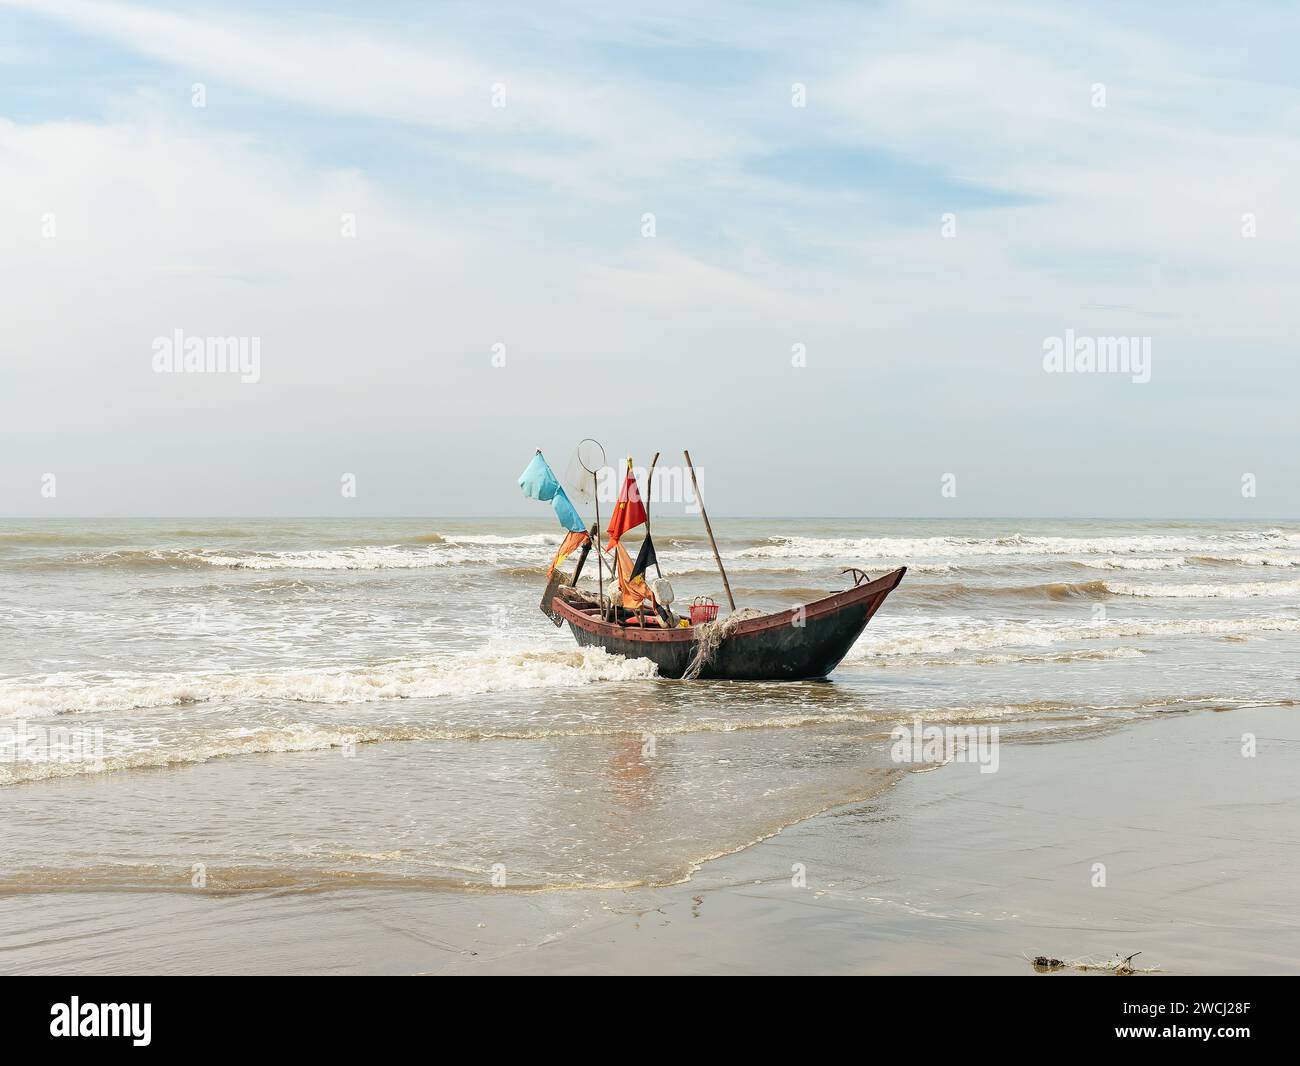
(709, 529)
(649, 480)
(600, 565)
(645, 506)
(582, 556)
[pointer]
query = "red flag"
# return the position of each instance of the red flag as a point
(629, 512)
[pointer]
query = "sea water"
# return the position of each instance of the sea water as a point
(240, 705)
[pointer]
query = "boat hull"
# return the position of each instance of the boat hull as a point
(796, 645)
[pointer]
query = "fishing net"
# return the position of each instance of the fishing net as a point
(709, 637)
(584, 465)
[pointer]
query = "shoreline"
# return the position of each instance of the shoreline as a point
(947, 871)
(970, 879)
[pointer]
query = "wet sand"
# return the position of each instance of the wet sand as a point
(949, 871)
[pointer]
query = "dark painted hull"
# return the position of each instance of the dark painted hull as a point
(795, 645)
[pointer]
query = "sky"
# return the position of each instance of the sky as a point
(824, 247)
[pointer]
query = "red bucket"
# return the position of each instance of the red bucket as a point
(703, 610)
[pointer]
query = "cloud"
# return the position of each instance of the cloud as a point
(424, 81)
(775, 226)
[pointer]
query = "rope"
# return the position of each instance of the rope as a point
(709, 637)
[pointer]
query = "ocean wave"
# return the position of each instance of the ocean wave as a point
(305, 737)
(927, 555)
(1176, 562)
(128, 559)
(1172, 562)
(1050, 590)
(532, 573)
(36, 537)
(836, 581)
(1249, 559)
(528, 540)
(392, 557)
(977, 637)
(367, 557)
(1240, 590)
(1101, 589)
(904, 548)
(455, 675)
(80, 538)
(310, 737)
(1006, 658)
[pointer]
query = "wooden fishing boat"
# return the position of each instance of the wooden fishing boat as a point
(636, 622)
(799, 644)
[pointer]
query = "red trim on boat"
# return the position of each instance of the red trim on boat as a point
(837, 601)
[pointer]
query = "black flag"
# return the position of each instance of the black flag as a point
(644, 558)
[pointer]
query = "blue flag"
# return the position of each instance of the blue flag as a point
(540, 483)
(538, 480)
(566, 512)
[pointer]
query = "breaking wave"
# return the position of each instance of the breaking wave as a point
(310, 737)
(1241, 590)
(977, 637)
(1176, 562)
(455, 675)
(529, 540)
(1169, 562)
(1248, 559)
(905, 548)
(923, 555)
(1052, 590)
(1100, 589)
(1005, 658)
(445, 551)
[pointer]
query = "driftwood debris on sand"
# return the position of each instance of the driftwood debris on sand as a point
(1120, 965)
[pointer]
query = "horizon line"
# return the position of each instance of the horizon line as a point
(742, 517)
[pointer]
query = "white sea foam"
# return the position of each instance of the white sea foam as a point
(126, 752)
(1005, 658)
(372, 557)
(450, 676)
(936, 638)
(1273, 558)
(366, 557)
(1240, 590)
(704, 563)
(921, 554)
(1171, 562)
(531, 540)
(905, 548)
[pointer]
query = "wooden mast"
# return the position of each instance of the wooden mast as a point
(709, 529)
(582, 556)
(600, 565)
(649, 480)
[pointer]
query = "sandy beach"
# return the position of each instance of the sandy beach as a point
(949, 871)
